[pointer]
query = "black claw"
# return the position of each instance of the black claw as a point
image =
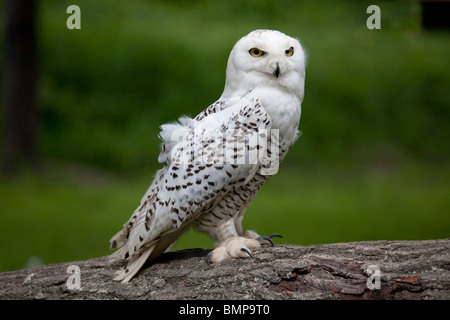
(269, 238)
(275, 235)
(265, 238)
(207, 257)
(247, 252)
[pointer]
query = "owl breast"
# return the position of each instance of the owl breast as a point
(284, 110)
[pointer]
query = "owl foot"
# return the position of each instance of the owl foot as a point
(238, 247)
(235, 247)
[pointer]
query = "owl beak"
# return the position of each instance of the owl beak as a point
(277, 70)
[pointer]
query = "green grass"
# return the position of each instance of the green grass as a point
(71, 212)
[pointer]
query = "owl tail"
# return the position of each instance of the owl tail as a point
(137, 259)
(135, 264)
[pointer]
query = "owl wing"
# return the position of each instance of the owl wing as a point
(205, 159)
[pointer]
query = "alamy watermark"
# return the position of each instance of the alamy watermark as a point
(74, 20)
(374, 20)
(74, 281)
(238, 145)
(374, 280)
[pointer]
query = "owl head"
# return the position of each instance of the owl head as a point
(266, 58)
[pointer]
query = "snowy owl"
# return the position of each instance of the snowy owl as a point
(215, 163)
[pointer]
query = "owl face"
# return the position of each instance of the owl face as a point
(266, 57)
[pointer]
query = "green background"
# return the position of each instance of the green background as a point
(371, 164)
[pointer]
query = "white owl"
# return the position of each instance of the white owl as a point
(216, 163)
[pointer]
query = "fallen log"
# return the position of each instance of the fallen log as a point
(359, 270)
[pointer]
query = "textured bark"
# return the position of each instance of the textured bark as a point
(409, 270)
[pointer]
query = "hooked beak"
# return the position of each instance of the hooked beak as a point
(277, 70)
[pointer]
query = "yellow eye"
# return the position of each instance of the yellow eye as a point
(290, 52)
(255, 52)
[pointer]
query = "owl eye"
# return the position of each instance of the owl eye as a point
(290, 51)
(255, 52)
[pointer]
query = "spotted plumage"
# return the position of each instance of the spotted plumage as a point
(215, 163)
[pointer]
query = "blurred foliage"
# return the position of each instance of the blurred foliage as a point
(372, 162)
(108, 87)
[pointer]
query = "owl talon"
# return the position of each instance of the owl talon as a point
(247, 252)
(269, 238)
(260, 238)
(275, 235)
(208, 256)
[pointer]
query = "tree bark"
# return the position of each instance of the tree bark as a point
(409, 270)
(19, 87)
